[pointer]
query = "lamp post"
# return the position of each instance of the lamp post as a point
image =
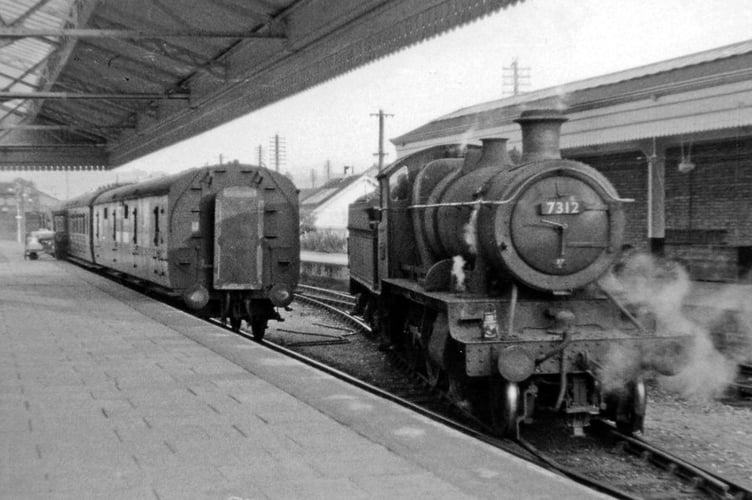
(23, 191)
(20, 213)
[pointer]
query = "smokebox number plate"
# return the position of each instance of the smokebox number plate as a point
(561, 207)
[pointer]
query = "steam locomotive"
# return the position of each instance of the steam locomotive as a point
(486, 273)
(224, 238)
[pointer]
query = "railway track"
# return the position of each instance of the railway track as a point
(337, 303)
(700, 478)
(413, 390)
(342, 301)
(739, 392)
(743, 383)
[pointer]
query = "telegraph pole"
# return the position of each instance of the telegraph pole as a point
(260, 151)
(277, 144)
(381, 154)
(514, 76)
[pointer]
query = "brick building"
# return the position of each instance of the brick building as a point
(676, 136)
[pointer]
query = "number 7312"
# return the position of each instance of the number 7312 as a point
(560, 207)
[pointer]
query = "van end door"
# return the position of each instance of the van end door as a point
(238, 232)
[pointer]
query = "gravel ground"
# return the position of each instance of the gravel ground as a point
(711, 434)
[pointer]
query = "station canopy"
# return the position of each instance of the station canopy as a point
(93, 84)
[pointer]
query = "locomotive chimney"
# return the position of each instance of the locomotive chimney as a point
(540, 134)
(493, 153)
(472, 156)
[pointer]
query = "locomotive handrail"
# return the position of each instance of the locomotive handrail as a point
(462, 204)
(513, 197)
(491, 203)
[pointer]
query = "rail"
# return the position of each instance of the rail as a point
(702, 479)
(337, 303)
(742, 386)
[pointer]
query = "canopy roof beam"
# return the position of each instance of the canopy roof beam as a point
(72, 128)
(7, 95)
(12, 32)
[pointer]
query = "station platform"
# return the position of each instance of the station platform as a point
(106, 393)
(330, 269)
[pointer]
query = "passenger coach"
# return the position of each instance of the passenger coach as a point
(223, 237)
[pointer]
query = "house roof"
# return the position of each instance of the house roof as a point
(322, 194)
(725, 66)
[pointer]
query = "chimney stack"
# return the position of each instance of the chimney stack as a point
(493, 153)
(540, 134)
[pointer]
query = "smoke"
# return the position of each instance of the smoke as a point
(661, 288)
(648, 284)
(620, 365)
(470, 231)
(728, 309)
(458, 273)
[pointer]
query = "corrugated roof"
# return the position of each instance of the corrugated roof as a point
(609, 79)
(22, 60)
(716, 80)
(123, 78)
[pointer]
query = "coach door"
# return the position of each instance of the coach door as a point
(238, 229)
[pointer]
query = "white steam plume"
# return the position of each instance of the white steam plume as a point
(470, 231)
(458, 273)
(661, 287)
(728, 309)
(468, 134)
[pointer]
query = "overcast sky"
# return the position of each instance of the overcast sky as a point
(560, 41)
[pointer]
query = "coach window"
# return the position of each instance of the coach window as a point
(156, 226)
(135, 226)
(96, 219)
(114, 226)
